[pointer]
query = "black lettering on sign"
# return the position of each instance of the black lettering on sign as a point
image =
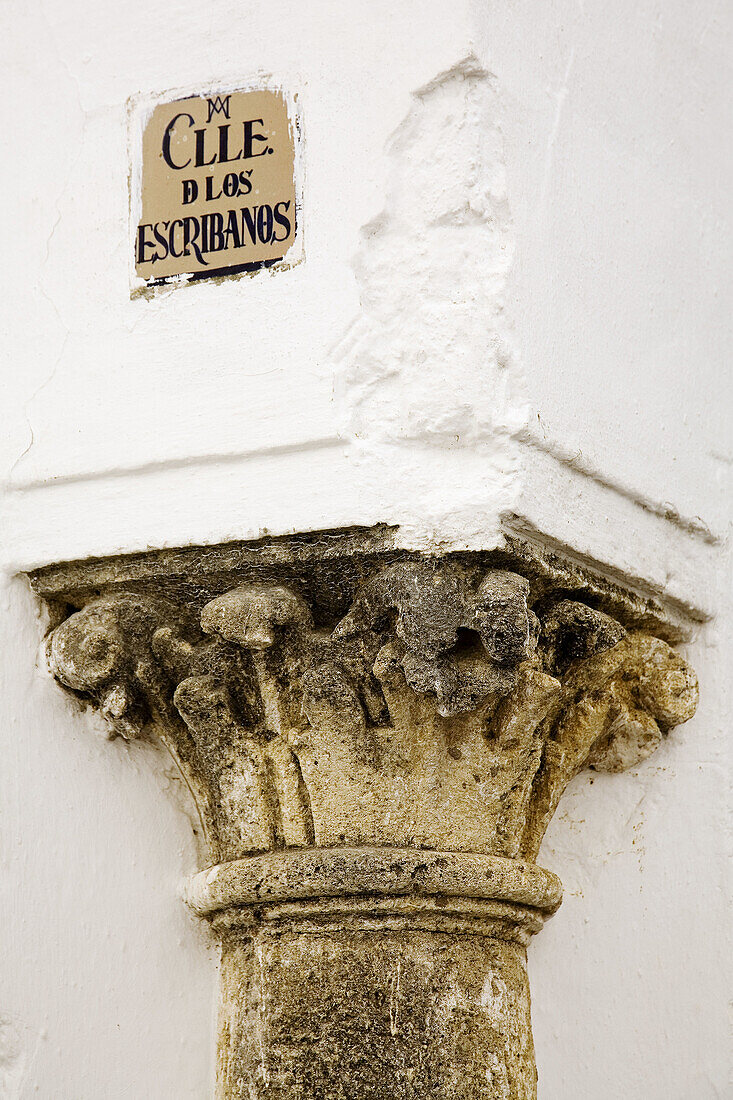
(250, 136)
(166, 150)
(190, 191)
(161, 240)
(282, 219)
(190, 236)
(210, 196)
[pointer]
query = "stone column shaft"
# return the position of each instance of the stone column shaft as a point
(346, 969)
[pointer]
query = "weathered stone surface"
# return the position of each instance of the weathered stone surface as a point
(441, 711)
(365, 1013)
(375, 972)
(352, 872)
(376, 744)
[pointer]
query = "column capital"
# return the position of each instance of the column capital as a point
(439, 703)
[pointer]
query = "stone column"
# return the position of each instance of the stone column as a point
(376, 742)
(375, 972)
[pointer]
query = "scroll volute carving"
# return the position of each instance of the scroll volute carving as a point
(442, 711)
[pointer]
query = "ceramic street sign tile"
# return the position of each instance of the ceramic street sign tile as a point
(214, 186)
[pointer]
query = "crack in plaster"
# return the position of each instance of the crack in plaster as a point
(27, 404)
(83, 116)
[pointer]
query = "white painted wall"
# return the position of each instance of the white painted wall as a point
(512, 309)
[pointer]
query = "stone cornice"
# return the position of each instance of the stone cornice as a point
(338, 561)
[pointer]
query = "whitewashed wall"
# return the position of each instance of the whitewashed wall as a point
(512, 310)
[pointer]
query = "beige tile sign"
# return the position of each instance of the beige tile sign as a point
(216, 189)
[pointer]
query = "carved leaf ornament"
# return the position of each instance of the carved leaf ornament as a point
(440, 712)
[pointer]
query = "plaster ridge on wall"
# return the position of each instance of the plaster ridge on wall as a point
(694, 526)
(178, 463)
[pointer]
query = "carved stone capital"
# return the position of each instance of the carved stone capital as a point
(376, 742)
